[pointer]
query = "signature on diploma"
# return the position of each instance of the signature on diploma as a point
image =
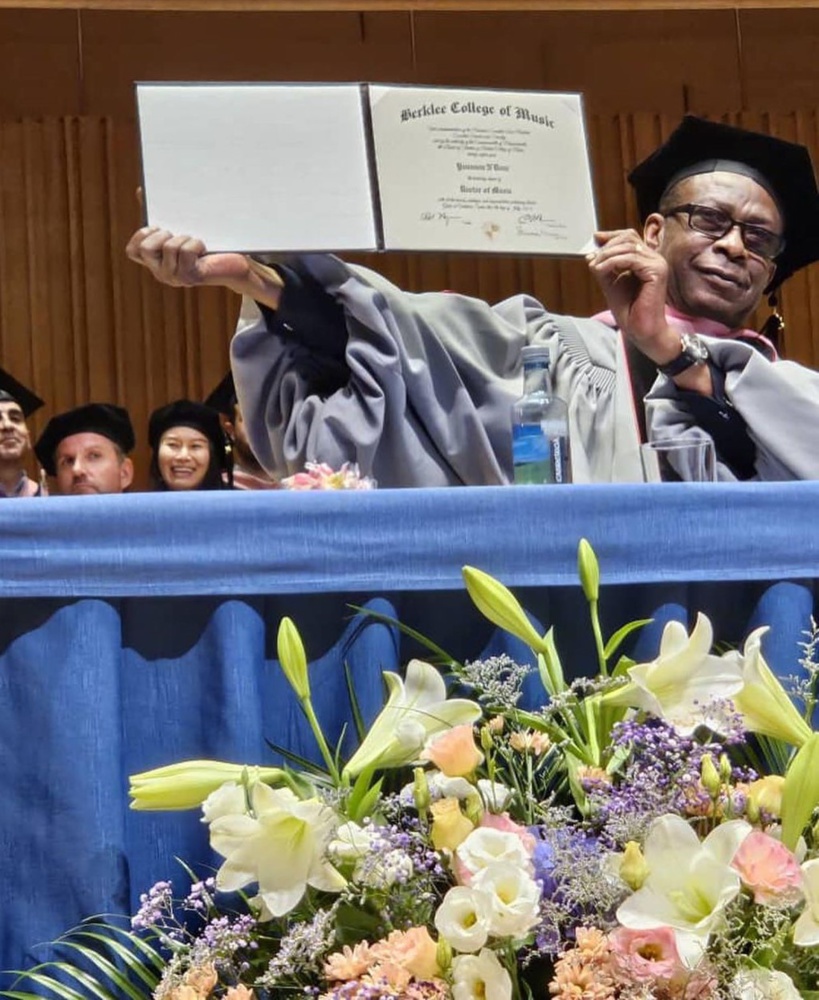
(444, 217)
(537, 224)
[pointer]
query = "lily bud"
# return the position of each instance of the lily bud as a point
(633, 868)
(486, 739)
(710, 776)
(420, 790)
(589, 570)
(474, 808)
(292, 658)
(725, 769)
(500, 606)
(187, 784)
(443, 955)
(800, 793)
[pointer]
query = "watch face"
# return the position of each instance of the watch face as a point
(692, 352)
(693, 348)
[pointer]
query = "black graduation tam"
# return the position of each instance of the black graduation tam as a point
(186, 413)
(223, 397)
(106, 419)
(24, 397)
(783, 168)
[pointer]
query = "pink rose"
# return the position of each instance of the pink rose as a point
(501, 821)
(646, 956)
(769, 870)
(454, 752)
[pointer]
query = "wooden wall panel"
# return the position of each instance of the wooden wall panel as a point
(39, 63)
(119, 48)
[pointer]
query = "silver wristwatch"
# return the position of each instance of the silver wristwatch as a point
(692, 352)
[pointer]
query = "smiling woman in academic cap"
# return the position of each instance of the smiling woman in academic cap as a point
(17, 403)
(334, 363)
(189, 448)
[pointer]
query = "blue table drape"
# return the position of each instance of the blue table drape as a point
(140, 630)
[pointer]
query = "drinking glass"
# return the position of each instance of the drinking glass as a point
(677, 460)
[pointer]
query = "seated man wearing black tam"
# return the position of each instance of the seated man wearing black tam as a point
(87, 448)
(333, 363)
(17, 403)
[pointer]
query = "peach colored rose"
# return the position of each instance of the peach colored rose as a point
(184, 993)
(240, 992)
(449, 825)
(769, 870)
(646, 956)
(501, 821)
(201, 979)
(413, 950)
(454, 752)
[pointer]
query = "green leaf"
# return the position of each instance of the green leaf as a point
(355, 708)
(441, 656)
(623, 633)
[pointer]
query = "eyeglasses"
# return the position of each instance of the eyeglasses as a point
(715, 223)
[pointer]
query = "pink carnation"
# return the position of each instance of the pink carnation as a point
(769, 870)
(646, 956)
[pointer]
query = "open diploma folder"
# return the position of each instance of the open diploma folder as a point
(275, 167)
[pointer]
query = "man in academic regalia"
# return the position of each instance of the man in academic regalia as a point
(17, 403)
(86, 449)
(333, 363)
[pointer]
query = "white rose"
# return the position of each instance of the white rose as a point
(765, 984)
(463, 918)
(485, 846)
(480, 977)
(494, 795)
(350, 843)
(515, 899)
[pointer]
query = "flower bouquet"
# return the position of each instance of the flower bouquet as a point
(649, 833)
(320, 476)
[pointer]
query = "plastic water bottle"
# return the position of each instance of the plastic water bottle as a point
(540, 425)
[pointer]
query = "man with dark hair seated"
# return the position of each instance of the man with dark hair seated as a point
(87, 448)
(333, 363)
(17, 403)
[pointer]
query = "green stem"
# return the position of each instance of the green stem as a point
(329, 762)
(598, 638)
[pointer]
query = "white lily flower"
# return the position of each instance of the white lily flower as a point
(282, 846)
(463, 918)
(480, 977)
(486, 846)
(684, 681)
(228, 799)
(416, 708)
(689, 882)
(515, 899)
(763, 702)
(806, 928)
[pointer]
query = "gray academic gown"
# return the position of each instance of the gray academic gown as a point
(430, 380)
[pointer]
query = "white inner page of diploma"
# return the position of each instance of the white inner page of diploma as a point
(257, 166)
(497, 171)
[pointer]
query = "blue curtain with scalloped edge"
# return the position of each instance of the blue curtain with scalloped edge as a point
(94, 690)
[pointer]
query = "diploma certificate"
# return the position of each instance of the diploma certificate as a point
(294, 167)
